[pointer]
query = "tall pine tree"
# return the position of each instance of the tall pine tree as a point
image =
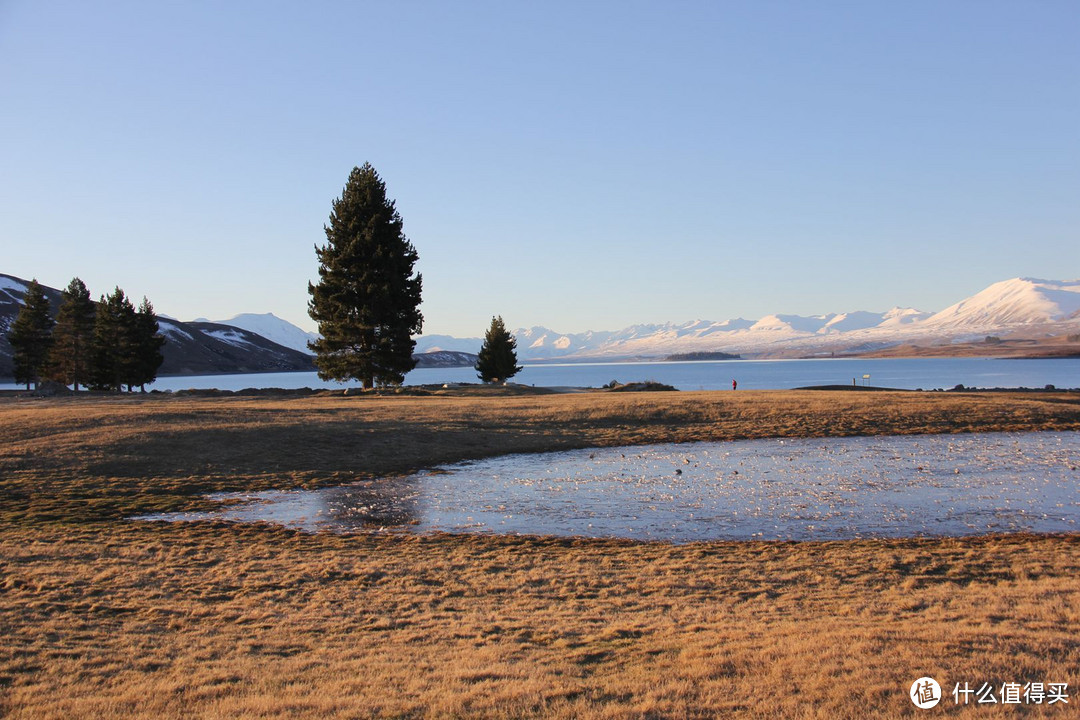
(497, 361)
(148, 343)
(31, 336)
(115, 348)
(73, 336)
(367, 300)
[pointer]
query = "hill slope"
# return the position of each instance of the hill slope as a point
(198, 348)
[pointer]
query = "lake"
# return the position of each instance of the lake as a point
(789, 489)
(904, 373)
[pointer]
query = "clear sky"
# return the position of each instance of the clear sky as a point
(578, 165)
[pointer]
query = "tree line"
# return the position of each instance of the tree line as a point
(103, 346)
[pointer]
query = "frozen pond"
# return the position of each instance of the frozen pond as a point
(821, 489)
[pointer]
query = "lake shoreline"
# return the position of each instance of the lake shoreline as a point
(775, 374)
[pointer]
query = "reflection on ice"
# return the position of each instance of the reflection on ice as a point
(831, 488)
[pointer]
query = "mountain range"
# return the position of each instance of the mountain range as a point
(1020, 307)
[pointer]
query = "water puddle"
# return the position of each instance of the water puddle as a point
(805, 489)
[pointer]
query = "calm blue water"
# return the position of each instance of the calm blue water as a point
(910, 374)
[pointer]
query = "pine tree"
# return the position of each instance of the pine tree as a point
(148, 343)
(367, 300)
(69, 360)
(497, 361)
(31, 336)
(114, 348)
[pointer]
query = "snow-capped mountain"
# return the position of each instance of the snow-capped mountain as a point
(1011, 303)
(273, 328)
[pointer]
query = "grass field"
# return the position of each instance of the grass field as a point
(103, 617)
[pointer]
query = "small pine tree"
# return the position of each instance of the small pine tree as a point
(148, 343)
(114, 349)
(31, 336)
(367, 300)
(497, 361)
(73, 336)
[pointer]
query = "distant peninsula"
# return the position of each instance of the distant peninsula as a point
(698, 356)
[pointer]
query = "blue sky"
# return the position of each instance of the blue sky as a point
(583, 165)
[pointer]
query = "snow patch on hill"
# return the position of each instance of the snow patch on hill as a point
(12, 286)
(229, 336)
(168, 328)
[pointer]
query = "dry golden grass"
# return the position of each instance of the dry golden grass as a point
(106, 617)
